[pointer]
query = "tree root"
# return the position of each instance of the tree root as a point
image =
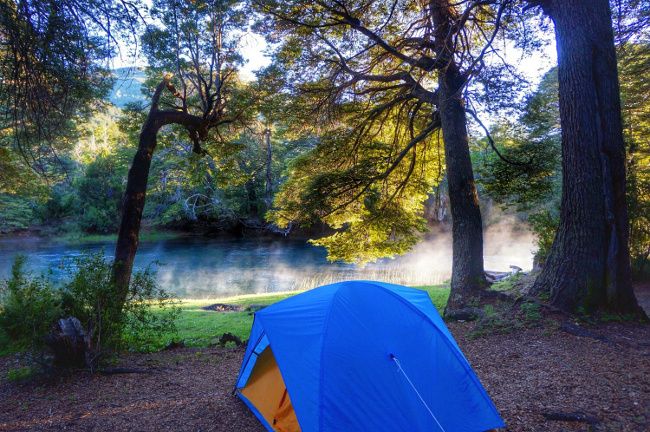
(581, 332)
(575, 416)
(118, 371)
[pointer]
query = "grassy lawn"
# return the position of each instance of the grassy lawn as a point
(198, 327)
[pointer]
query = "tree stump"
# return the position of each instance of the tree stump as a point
(69, 344)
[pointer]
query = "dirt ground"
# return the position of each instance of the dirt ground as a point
(528, 373)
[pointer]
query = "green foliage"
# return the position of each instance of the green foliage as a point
(534, 188)
(529, 178)
(28, 307)
(52, 73)
(61, 203)
(93, 299)
(506, 284)
(360, 182)
(100, 194)
(17, 213)
(544, 225)
(503, 318)
(142, 326)
(90, 297)
(634, 63)
(20, 374)
(531, 311)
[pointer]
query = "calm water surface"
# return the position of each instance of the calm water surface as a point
(196, 268)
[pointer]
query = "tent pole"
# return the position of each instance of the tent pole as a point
(399, 366)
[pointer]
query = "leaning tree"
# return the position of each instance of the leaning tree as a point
(197, 44)
(378, 81)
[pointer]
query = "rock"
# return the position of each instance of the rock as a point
(229, 337)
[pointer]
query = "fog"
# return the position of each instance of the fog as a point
(201, 268)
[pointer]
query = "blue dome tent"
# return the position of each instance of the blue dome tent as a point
(360, 356)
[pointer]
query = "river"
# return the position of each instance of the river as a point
(201, 268)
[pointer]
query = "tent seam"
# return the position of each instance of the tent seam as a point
(320, 375)
(464, 363)
(248, 358)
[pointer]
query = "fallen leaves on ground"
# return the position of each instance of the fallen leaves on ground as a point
(527, 372)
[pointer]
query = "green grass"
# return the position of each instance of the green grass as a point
(507, 284)
(78, 237)
(199, 328)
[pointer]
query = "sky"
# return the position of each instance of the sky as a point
(254, 46)
(533, 67)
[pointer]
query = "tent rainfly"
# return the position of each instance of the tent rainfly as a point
(360, 356)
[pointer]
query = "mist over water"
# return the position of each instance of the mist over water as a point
(200, 268)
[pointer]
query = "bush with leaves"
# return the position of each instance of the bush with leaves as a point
(28, 307)
(17, 213)
(544, 225)
(91, 297)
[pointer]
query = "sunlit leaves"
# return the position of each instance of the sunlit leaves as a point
(358, 188)
(634, 67)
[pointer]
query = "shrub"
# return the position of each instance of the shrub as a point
(149, 312)
(531, 311)
(544, 225)
(88, 296)
(93, 299)
(62, 203)
(28, 307)
(20, 374)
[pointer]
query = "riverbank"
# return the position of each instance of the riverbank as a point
(81, 238)
(535, 376)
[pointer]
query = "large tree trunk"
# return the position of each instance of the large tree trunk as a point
(589, 263)
(133, 205)
(136, 186)
(468, 277)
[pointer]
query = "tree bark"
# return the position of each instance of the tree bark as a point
(589, 264)
(468, 277)
(133, 205)
(136, 186)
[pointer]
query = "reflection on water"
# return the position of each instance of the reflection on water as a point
(197, 268)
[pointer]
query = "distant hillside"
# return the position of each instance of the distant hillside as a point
(128, 81)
